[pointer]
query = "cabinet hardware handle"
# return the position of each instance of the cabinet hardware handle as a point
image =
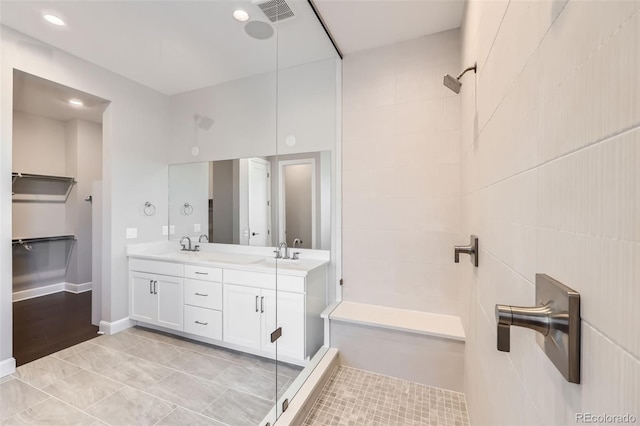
(202, 273)
(200, 294)
(262, 304)
(201, 323)
(150, 288)
(257, 304)
(155, 287)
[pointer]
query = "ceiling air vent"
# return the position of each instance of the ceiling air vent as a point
(276, 10)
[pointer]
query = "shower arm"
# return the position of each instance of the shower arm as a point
(473, 67)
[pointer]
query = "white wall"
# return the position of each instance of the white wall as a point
(244, 112)
(134, 163)
(550, 155)
(39, 148)
(84, 162)
(401, 191)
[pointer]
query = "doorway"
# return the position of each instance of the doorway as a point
(56, 220)
(297, 195)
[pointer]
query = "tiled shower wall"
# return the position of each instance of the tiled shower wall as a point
(401, 175)
(550, 139)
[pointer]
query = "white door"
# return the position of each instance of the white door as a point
(169, 297)
(241, 315)
(143, 301)
(259, 202)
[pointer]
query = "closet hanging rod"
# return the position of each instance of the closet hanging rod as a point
(43, 239)
(46, 177)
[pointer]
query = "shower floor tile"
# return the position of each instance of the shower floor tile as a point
(357, 397)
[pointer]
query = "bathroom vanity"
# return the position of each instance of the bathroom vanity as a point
(230, 300)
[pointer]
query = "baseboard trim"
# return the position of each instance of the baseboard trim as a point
(78, 288)
(116, 326)
(51, 289)
(7, 367)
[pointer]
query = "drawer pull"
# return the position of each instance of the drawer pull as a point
(257, 304)
(201, 294)
(262, 304)
(201, 323)
(202, 273)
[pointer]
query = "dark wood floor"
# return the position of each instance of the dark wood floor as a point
(47, 324)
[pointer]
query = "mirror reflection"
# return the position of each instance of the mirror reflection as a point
(256, 201)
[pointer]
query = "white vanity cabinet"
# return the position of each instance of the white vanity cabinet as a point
(232, 305)
(156, 293)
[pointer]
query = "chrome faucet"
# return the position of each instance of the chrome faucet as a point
(297, 243)
(206, 239)
(184, 247)
(286, 250)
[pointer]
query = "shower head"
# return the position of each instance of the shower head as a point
(453, 83)
(203, 122)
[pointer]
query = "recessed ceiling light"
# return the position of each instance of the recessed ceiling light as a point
(53, 19)
(240, 15)
(76, 102)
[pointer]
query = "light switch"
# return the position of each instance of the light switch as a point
(172, 229)
(165, 230)
(132, 233)
(196, 227)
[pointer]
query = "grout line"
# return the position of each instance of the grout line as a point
(613, 342)
(575, 151)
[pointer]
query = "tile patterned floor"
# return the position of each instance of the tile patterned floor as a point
(140, 377)
(357, 397)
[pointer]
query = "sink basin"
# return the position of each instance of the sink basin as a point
(281, 261)
(241, 259)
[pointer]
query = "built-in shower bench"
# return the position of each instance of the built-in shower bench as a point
(437, 325)
(419, 346)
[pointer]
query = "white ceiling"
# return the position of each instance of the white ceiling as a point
(171, 46)
(35, 95)
(364, 24)
(178, 46)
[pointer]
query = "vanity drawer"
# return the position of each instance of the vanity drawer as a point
(155, 267)
(203, 293)
(203, 273)
(203, 322)
(252, 279)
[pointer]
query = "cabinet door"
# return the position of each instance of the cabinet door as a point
(268, 323)
(241, 316)
(170, 302)
(142, 303)
(292, 320)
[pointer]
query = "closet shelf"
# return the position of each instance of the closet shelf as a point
(42, 239)
(41, 188)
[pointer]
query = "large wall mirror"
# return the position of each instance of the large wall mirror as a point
(256, 201)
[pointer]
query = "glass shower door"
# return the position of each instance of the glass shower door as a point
(304, 188)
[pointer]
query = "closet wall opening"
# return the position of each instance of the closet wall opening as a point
(56, 216)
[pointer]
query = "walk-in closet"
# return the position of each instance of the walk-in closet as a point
(56, 228)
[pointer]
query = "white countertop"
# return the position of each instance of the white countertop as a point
(245, 262)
